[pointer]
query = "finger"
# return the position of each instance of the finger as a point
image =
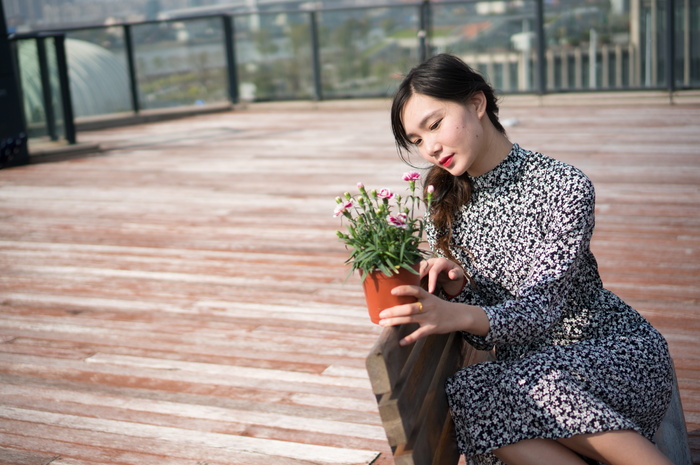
(401, 314)
(424, 268)
(395, 321)
(415, 335)
(433, 279)
(412, 291)
(400, 311)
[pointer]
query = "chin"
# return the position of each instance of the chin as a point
(455, 171)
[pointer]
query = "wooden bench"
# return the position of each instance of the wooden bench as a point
(409, 385)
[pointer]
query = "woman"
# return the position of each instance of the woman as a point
(579, 375)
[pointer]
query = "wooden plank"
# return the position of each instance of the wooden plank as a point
(180, 440)
(21, 457)
(134, 409)
(387, 358)
(433, 421)
(400, 409)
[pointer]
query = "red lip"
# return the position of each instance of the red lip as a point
(447, 160)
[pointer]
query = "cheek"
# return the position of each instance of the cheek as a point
(426, 157)
(454, 135)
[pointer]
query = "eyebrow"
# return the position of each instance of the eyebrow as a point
(424, 122)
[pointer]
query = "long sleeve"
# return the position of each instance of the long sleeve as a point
(542, 297)
(525, 239)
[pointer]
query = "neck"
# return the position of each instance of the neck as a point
(496, 148)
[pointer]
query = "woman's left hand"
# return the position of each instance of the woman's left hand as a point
(434, 315)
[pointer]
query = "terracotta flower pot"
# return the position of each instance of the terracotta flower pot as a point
(378, 288)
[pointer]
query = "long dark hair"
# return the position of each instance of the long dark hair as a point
(444, 77)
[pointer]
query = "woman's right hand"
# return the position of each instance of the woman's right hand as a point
(449, 275)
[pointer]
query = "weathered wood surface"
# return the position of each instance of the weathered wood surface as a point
(408, 382)
(181, 298)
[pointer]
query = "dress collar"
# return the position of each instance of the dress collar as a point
(505, 171)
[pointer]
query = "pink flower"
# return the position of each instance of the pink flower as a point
(343, 207)
(385, 194)
(431, 189)
(411, 176)
(360, 185)
(399, 221)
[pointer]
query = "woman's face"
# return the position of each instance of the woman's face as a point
(447, 134)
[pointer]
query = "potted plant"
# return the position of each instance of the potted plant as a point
(384, 234)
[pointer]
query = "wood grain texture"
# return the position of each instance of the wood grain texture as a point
(181, 298)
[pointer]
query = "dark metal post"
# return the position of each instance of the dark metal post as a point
(46, 93)
(64, 83)
(315, 56)
(230, 47)
(424, 30)
(541, 47)
(131, 67)
(13, 125)
(670, 45)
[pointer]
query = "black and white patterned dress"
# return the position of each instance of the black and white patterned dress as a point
(571, 357)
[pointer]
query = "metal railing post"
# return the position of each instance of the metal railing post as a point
(231, 68)
(315, 56)
(670, 45)
(131, 68)
(541, 48)
(64, 84)
(46, 92)
(424, 10)
(13, 123)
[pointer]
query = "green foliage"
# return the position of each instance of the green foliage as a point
(384, 230)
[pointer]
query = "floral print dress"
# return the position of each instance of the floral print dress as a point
(571, 357)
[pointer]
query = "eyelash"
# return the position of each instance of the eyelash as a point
(432, 127)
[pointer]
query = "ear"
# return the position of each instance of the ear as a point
(478, 101)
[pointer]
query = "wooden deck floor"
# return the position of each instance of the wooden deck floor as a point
(180, 299)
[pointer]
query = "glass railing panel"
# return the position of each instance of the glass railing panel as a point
(58, 128)
(592, 46)
(180, 63)
(364, 52)
(32, 92)
(687, 38)
(40, 84)
(274, 56)
(691, 38)
(99, 76)
(650, 66)
(495, 38)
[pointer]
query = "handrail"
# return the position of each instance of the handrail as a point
(537, 62)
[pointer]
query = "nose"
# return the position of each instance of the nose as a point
(432, 147)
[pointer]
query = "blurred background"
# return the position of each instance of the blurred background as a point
(134, 55)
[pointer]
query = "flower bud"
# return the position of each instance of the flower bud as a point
(430, 191)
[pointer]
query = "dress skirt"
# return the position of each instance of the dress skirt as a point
(615, 383)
